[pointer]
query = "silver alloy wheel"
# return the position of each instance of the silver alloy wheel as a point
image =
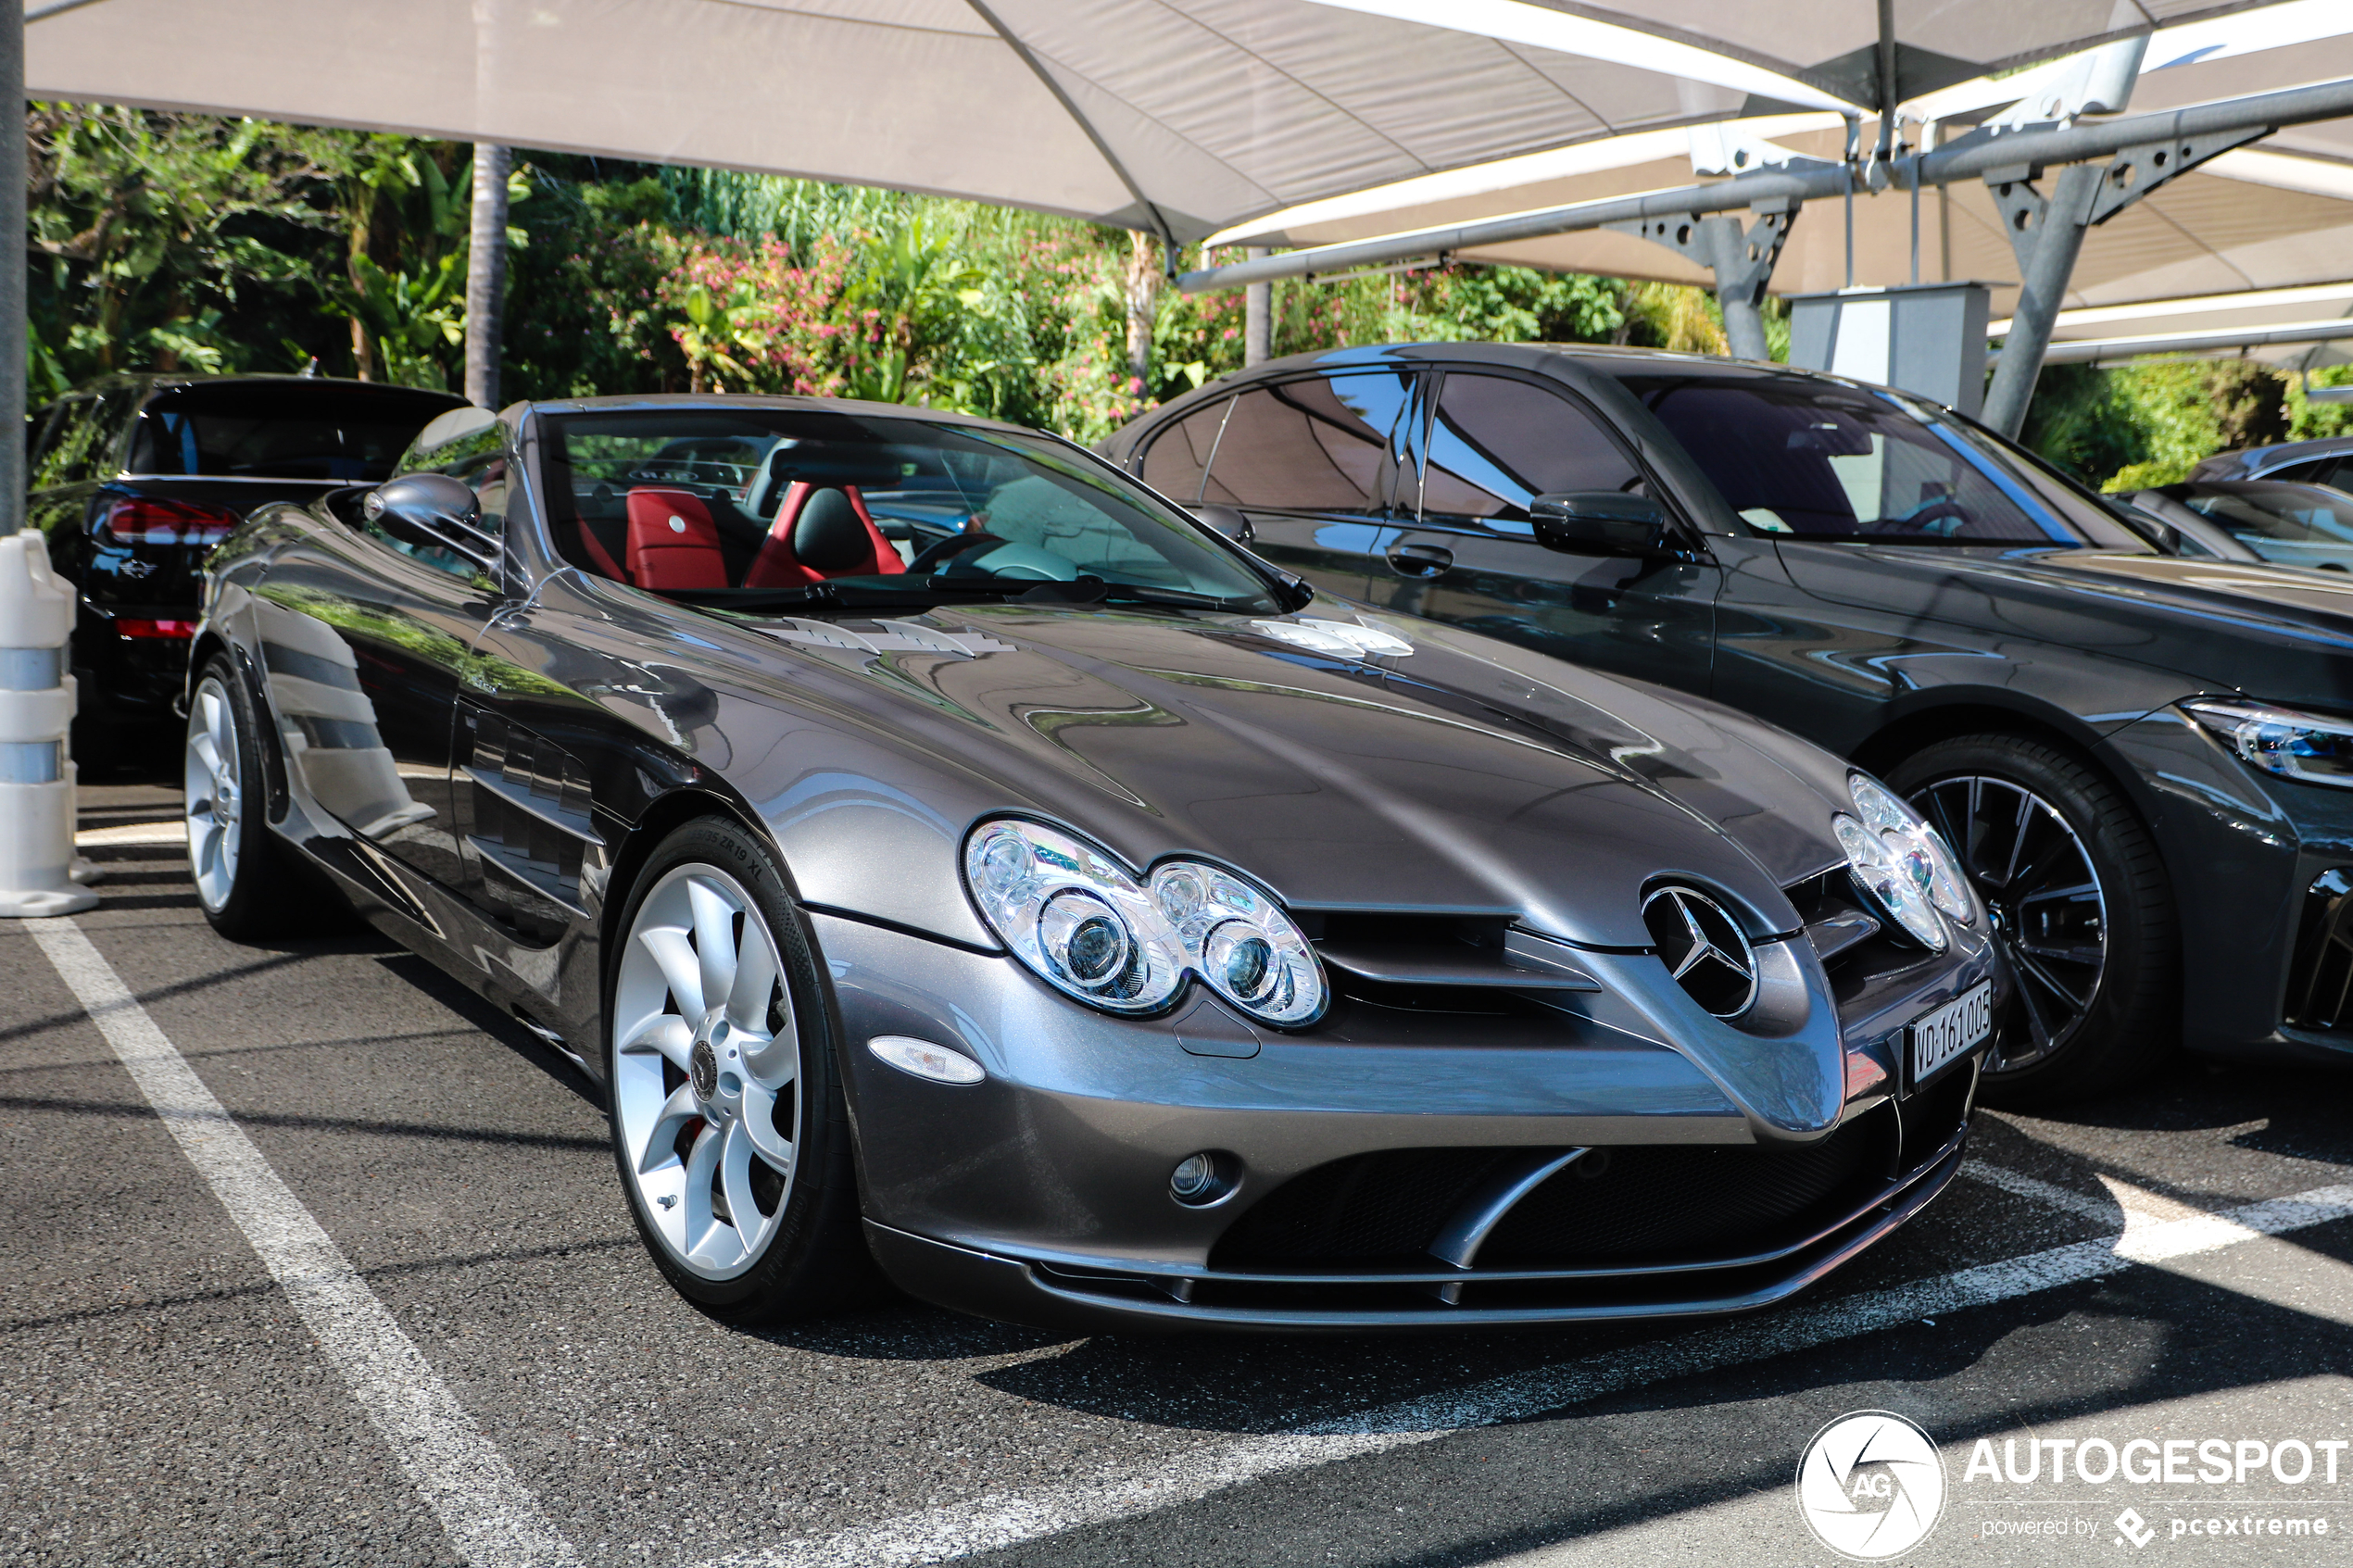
(706, 1072)
(2037, 880)
(213, 802)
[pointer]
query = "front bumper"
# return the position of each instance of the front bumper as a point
(1042, 1193)
(1060, 1295)
(2249, 857)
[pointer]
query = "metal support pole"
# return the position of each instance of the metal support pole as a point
(1258, 316)
(1740, 285)
(1741, 259)
(2047, 248)
(13, 175)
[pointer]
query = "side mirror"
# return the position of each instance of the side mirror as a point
(1227, 521)
(1602, 523)
(434, 509)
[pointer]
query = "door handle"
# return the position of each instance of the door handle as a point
(1420, 560)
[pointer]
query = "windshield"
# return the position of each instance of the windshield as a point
(734, 506)
(1803, 459)
(282, 429)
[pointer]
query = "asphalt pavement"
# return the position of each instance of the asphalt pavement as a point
(315, 1259)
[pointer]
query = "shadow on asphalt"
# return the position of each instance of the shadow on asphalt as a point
(1484, 1493)
(479, 1013)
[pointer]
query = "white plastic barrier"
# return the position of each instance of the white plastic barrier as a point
(36, 713)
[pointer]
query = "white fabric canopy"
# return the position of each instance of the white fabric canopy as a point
(1179, 116)
(2119, 331)
(2275, 214)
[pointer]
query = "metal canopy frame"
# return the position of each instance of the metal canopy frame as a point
(2103, 167)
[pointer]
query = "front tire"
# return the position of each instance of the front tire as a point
(730, 1129)
(242, 883)
(2082, 908)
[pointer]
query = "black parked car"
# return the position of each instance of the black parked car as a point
(2328, 461)
(2143, 760)
(1082, 915)
(134, 479)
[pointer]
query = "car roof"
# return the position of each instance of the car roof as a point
(1572, 362)
(2250, 462)
(2245, 487)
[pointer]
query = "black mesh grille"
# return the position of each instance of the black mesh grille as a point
(1659, 1202)
(2319, 982)
(1383, 1207)
(1628, 1204)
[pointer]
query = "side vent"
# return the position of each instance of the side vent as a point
(531, 823)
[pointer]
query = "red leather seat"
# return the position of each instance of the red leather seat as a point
(673, 542)
(821, 532)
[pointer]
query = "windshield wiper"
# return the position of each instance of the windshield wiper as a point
(932, 590)
(1180, 599)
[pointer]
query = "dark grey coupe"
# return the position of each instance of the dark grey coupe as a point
(945, 851)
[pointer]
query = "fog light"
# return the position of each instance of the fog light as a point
(1199, 1180)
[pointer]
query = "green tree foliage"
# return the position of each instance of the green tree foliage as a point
(184, 241)
(175, 241)
(2142, 425)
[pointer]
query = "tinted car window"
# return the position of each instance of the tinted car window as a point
(1177, 459)
(1319, 444)
(2322, 471)
(2305, 512)
(1797, 457)
(279, 430)
(1496, 442)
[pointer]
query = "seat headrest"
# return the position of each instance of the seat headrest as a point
(829, 536)
(673, 543)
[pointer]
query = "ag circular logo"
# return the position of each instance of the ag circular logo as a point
(1870, 1486)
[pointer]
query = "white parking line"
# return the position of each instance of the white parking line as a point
(958, 1530)
(491, 1521)
(174, 832)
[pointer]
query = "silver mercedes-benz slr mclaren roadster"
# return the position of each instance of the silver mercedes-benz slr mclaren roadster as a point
(951, 857)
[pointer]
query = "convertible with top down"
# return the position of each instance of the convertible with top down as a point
(949, 856)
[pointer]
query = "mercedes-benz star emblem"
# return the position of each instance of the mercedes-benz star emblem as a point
(702, 1066)
(1703, 948)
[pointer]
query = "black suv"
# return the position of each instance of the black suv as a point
(2145, 761)
(136, 478)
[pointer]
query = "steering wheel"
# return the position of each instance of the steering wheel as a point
(955, 545)
(1918, 521)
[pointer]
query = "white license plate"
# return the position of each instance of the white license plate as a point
(1950, 1033)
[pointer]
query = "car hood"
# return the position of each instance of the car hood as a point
(2271, 632)
(1447, 773)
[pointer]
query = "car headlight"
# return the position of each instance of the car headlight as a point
(2307, 746)
(1087, 926)
(1240, 941)
(1902, 862)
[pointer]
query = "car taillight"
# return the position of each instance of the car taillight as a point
(148, 520)
(155, 628)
